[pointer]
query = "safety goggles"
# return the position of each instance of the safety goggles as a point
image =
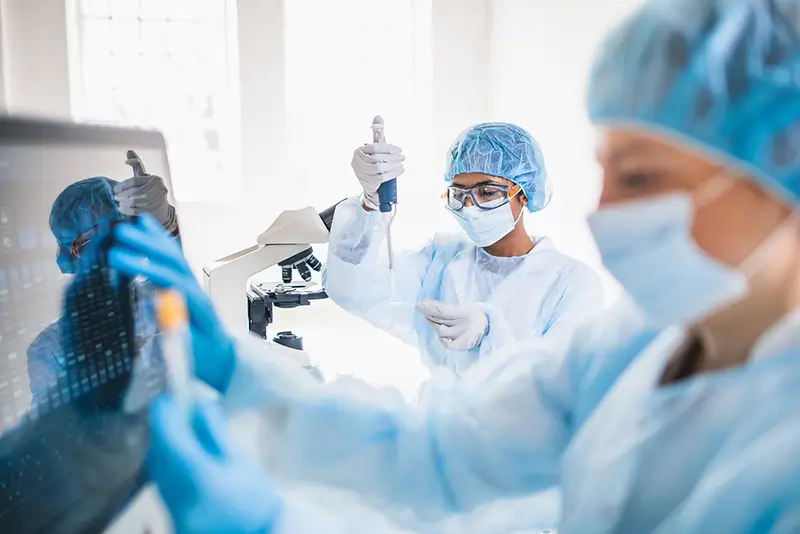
(485, 196)
(85, 238)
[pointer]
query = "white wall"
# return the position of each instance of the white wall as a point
(262, 82)
(215, 229)
(3, 105)
(35, 57)
(540, 59)
(461, 63)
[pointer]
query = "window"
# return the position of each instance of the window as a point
(345, 63)
(168, 65)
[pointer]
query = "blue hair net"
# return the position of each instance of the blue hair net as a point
(504, 150)
(722, 75)
(78, 208)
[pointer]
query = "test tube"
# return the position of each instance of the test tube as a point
(175, 340)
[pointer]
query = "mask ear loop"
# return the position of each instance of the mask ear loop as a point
(517, 190)
(518, 217)
(749, 267)
(753, 263)
(713, 189)
(717, 187)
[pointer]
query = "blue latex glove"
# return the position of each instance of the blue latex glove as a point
(143, 248)
(207, 486)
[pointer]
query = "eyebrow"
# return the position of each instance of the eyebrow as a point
(479, 184)
(620, 153)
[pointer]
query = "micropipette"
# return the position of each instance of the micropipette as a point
(135, 162)
(387, 192)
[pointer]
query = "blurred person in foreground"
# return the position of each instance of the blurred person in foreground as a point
(682, 418)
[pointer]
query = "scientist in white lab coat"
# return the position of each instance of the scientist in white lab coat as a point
(464, 296)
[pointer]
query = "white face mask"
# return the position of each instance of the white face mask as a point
(648, 247)
(486, 227)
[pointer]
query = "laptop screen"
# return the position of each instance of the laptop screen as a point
(79, 357)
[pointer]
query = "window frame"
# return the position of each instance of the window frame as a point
(228, 185)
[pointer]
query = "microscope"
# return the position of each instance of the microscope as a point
(286, 243)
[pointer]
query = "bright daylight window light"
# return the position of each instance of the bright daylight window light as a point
(169, 65)
(345, 62)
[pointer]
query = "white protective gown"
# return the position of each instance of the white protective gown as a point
(542, 296)
(717, 452)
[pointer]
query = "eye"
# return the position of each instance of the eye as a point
(490, 193)
(638, 180)
(456, 194)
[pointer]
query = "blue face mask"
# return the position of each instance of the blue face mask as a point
(486, 227)
(648, 247)
(66, 261)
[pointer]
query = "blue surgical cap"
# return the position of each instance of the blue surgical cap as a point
(503, 150)
(78, 208)
(720, 75)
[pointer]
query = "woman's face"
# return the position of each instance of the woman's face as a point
(729, 227)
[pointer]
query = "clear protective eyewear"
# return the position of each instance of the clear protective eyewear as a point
(78, 245)
(485, 196)
(83, 240)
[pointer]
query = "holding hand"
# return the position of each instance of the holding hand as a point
(146, 194)
(458, 327)
(144, 249)
(207, 485)
(374, 164)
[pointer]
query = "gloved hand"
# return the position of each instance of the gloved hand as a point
(146, 194)
(458, 327)
(143, 248)
(207, 485)
(374, 164)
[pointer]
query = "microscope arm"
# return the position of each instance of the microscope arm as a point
(292, 233)
(226, 279)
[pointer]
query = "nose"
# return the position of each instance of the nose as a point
(610, 194)
(468, 202)
(605, 199)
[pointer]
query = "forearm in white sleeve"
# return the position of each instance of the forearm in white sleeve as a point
(500, 335)
(498, 433)
(531, 514)
(298, 516)
(582, 301)
(357, 276)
